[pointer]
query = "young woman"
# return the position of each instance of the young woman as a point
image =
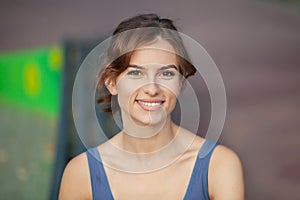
(151, 157)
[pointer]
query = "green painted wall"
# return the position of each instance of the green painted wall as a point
(30, 89)
(31, 79)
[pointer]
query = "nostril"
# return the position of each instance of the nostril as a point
(152, 88)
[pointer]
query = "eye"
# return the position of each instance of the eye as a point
(168, 73)
(134, 73)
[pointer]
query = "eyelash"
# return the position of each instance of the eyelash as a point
(134, 73)
(168, 73)
(165, 73)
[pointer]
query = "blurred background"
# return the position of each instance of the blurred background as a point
(255, 44)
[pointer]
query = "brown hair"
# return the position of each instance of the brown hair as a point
(125, 43)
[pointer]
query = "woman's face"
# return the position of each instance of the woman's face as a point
(148, 88)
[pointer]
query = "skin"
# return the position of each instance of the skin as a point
(136, 88)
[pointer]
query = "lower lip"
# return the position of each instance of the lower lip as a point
(150, 108)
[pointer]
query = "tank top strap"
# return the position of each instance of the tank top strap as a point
(99, 182)
(198, 185)
(197, 188)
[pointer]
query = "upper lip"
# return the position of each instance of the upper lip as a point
(151, 100)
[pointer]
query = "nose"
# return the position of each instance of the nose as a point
(151, 89)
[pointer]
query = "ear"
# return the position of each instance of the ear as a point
(110, 84)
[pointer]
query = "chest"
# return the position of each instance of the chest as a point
(168, 183)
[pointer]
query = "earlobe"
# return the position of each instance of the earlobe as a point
(111, 86)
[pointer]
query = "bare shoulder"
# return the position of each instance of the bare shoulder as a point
(223, 154)
(225, 175)
(75, 182)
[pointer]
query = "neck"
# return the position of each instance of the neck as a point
(154, 137)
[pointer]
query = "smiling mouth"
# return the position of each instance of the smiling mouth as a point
(150, 105)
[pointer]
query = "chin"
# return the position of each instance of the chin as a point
(149, 120)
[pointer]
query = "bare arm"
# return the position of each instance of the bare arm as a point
(225, 176)
(75, 182)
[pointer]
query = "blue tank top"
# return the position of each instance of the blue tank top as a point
(197, 188)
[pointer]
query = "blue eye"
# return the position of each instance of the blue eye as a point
(134, 73)
(168, 73)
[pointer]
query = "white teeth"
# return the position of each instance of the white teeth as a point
(150, 103)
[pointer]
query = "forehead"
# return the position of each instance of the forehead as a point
(160, 52)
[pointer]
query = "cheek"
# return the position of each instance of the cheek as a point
(173, 99)
(126, 91)
(175, 90)
(173, 87)
(128, 84)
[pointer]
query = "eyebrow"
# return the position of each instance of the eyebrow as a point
(162, 68)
